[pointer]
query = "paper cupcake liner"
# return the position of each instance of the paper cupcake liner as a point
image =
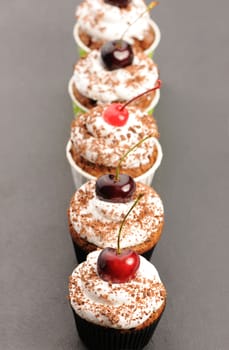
(147, 255)
(104, 338)
(78, 108)
(79, 252)
(80, 176)
(83, 50)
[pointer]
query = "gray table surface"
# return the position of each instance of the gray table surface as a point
(37, 56)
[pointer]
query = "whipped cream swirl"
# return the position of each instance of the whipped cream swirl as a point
(99, 142)
(107, 22)
(94, 81)
(120, 306)
(98, 221)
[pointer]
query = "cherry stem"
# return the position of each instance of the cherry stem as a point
(157, 86)
(126, 154)
(149, 8)
(124, 219)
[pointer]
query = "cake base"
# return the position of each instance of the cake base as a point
(83, 49)
(138, 44)
(99, 170)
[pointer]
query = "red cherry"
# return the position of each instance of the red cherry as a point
(116, 115)
(117, 267)
(110, 189)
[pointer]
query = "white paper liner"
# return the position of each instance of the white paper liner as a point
(80, 176)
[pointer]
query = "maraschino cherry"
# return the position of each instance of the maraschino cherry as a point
(118, 188)
(119, 3)
(116, 265)
(116, 114)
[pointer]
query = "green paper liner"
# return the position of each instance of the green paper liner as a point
(78, 109)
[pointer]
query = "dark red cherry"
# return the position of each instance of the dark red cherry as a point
(110, 189)
(115, 114)
(117, 54)
(119, 3)
(117, 267)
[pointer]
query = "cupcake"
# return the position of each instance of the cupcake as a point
(96, 146)
(94, 221)
(95, 81)
(116, 316)
(99, 21)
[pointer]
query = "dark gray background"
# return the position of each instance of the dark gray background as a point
(37, 56)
